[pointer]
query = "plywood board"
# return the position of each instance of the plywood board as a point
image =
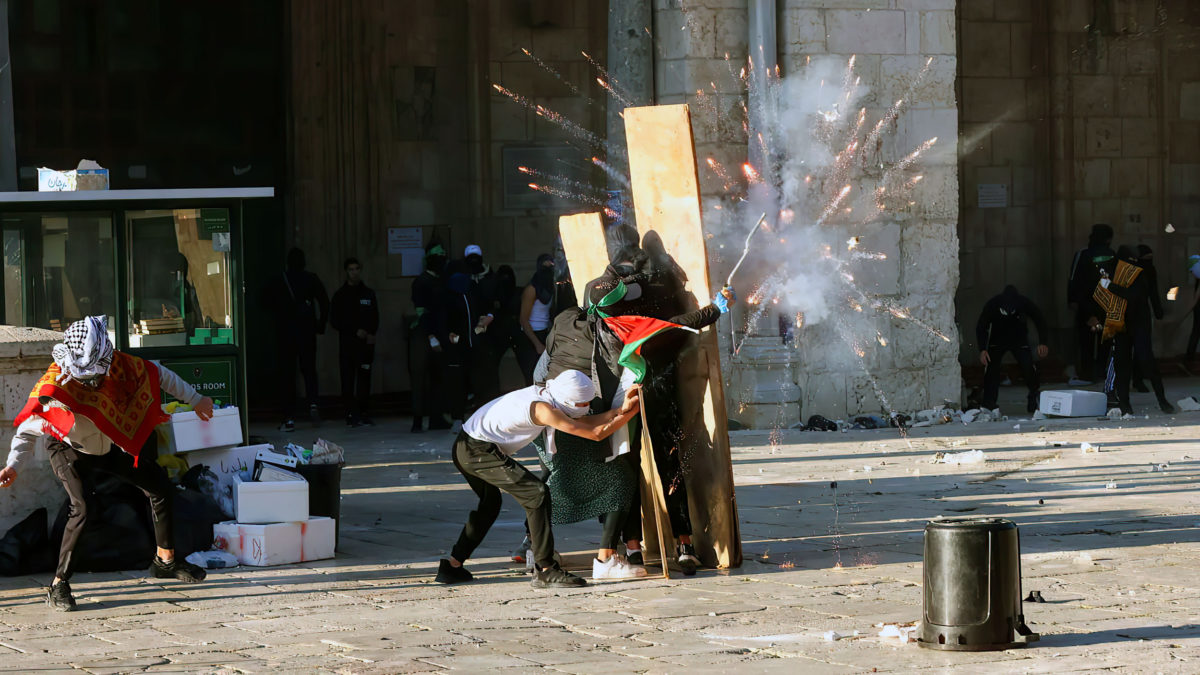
(666, 200)
(584, 244)
(656, 523)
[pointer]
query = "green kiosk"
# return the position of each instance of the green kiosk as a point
(165, 267)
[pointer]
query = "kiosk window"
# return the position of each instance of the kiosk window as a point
(58, 268)
(179, 284)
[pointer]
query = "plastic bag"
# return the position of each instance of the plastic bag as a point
(213, 560)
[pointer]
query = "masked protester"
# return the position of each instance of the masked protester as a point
(483, 454)
(484, 297)
(1086, 270)
(505, 332)
(460, 341)
(1002, 328)
(355, 316)
(1146, 261)
(98, 409)
(1127, 322)
(426, 352)
(302, 310)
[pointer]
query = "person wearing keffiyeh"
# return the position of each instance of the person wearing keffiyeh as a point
(97, 409)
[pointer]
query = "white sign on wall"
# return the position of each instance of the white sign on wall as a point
(993, 195)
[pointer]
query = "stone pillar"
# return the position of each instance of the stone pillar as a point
(24, 356)
(631, 64)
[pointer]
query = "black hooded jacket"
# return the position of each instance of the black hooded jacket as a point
(1003, 320)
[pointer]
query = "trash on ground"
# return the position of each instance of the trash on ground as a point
(1035, 596)
(968, 457)
(1037, 415)
(1188, 404)
(1088, 447)
(1084, 558)
(904, 632)
(1114, 413)
(213, 560)
(1111, 485)
(834, 636)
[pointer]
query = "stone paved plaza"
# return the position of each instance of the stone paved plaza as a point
(1118, 568)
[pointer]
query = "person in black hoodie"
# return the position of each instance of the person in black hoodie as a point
(301, 309)
(1146, 262)
(426, 353)
(355, 316)
(1132, 343)
(1002, 328)
(1085, 273)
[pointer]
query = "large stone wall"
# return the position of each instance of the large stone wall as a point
(892, 39)
(24, 357)
(1087, 112)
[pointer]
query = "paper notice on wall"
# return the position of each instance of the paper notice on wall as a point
(220, 241)
(993, 195)
(403, 238)
(412, 261)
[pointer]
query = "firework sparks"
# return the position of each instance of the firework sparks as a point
(549, 69)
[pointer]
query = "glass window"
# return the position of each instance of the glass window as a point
(179, 285)
(58, 268)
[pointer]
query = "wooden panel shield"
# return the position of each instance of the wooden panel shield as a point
(666, 199)
(584, 244)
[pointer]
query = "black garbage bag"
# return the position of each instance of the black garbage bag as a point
(820, 423)
(195, 515)
(25, 548)
(118, 534)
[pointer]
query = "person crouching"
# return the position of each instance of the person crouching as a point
(483, 454)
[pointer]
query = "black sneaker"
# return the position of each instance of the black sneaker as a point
(556, 577)
(288, 426)
(177, 569)
(59, 597)
(449, 574)
(418, 425)
(634, 557)
(366, 421)
(688, 562)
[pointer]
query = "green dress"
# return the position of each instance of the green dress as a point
(583, 485)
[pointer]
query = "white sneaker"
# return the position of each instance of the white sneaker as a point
(616, 568)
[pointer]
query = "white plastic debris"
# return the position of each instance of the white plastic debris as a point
(1037, 415)
(1188, 404)
(903, 633)
(1084, 558)
(968, 457)
(1016, 427)
(834, 636)
(1111, 485)
(1114, 413)
(413, 475)
(1088, 447)
(213, 560)
(1170, 228)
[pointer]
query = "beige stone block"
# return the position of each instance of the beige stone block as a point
(1139, 137)
(669, 35)
(937, 33)
(1106, 211)
(899, 78)
(1130, 177)
(1189, 101)
(732, 33)
(689, 33)
(1070, 16)
(1083, 215)
(803, 31)
(558, 44)
(971, 229)
(1021, 47)
(986, 49)
(509, 120)
(992, 99)
(926, 5)
(1092, 95)
(1092, 177)
(1133, 96)
(854, 31)
(975, 143)
(912, 32)
(855, 4)
(1184, 140)
(670, 78)
(1023, 187)
(1014, 10)
(1103, 137)
(1012, 143)
(977, 10)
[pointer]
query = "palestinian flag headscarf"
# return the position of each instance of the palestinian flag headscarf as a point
(632, 331)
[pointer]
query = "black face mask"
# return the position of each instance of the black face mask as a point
(475, 264)
(435, 263)
(623, 270)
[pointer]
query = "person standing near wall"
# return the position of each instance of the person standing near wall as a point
(426, 352)
(537, 300)
(1085, 273)
(355, 316)
(485, 302)
(301, 309)
(1002, 328)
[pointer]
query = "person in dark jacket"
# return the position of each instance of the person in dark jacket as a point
(1146, 262)
(1131, 341)
(1085, 273)
(301, 309)
(355, 316)
(426, 353)
(1002, 328)
(505, 330)
(483, 292)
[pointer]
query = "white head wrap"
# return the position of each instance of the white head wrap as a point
(85, 352)
(569, 388)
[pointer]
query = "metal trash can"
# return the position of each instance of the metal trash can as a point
(972, 594)
(325, 493)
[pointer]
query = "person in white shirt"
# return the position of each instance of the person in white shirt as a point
(97, 409)
(482, 452)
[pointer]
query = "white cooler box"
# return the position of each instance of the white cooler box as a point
(1074, 403)
(276, 543)
(270, 502)
(186, 432)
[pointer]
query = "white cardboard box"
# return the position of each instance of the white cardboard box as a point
(187, 432)
(227, 462)
(1074, 403)
(276, 543)
(270, 502)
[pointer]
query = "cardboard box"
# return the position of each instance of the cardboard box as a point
(276, 543)
(228, 462)
(318, 538)
(271, 502)
(187, 432)
(88, 175)
(1074, 403)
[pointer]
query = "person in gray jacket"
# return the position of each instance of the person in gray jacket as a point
(97, 410)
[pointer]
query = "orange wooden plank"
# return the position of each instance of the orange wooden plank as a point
(587, 253)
